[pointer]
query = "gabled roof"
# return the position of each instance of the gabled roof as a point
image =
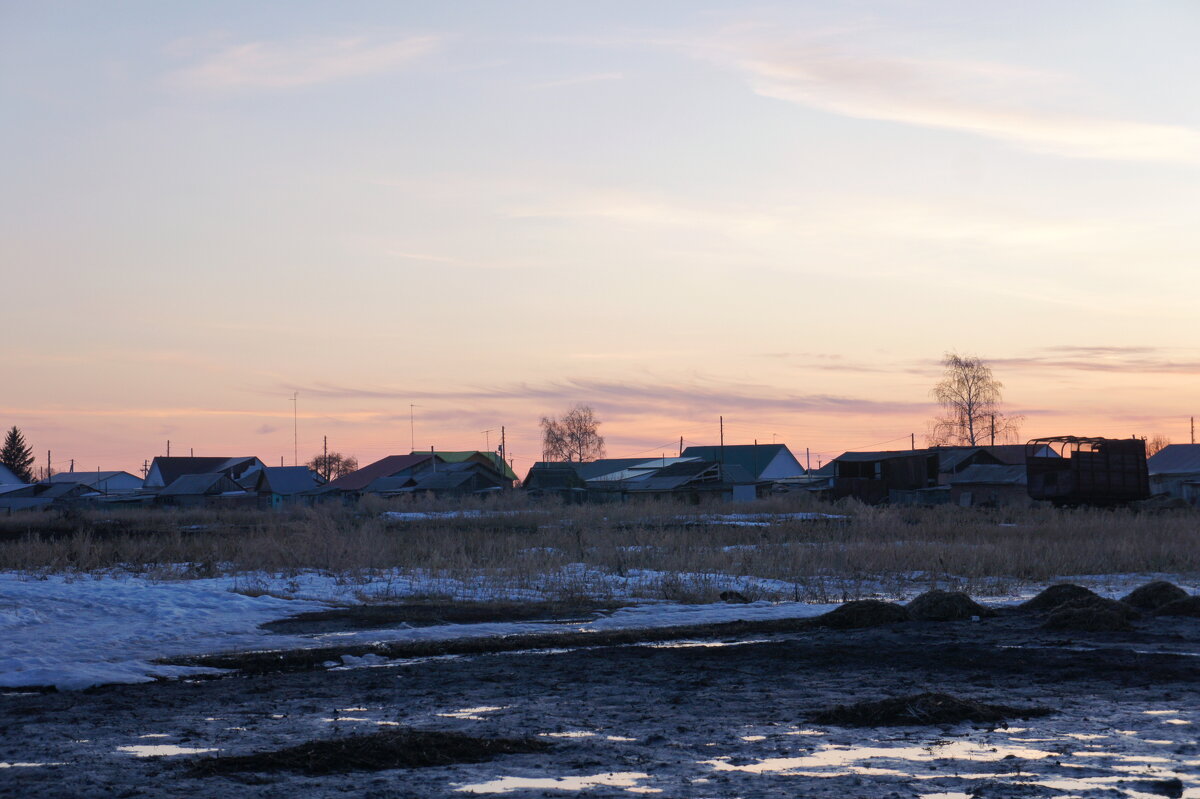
(871, 457)
(64, 490)
(754, 458)
(288, 480)
(593, 469)
(553, 476)
(7, 477)
(1175, 459)
(681, 474)
(384, 467)
(200, 485)
(98, 479)
(170, 469)
(990, 474)
(492, 457)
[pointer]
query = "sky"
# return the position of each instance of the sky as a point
(427, 221)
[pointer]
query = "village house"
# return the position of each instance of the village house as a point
(1175, 472)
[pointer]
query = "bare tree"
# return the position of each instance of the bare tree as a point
(333, 465)
(574, 437)
(1155, 443)
(970, 398)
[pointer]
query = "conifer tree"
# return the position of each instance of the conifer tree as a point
(17, 456)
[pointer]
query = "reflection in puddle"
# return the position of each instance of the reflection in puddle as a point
(700, 644)
(843, 756)
(29, 765)
(571, 734)
(162, 750)
(628, 780)
(471, 713)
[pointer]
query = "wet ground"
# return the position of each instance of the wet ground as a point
(706, 717)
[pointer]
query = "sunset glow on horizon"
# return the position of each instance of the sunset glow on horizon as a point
(429, 221)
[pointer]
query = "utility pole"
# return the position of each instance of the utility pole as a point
(168, 447)
(295, 428)
(807, 460)
(912, 437)
(49, 471)
(412, 436)
(1193, 429)
(325, 456)
(681, 446)
(145, 469)
(993, 429)
(191, 452)
(722, 418)
(73, 465)
(503, 449)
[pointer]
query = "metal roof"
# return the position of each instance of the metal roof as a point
(990, 474)
(384, 467)
(200, 484)
(1175, 459)
(593, 469)
(7, 477)
(870, 457)
(754, 458)
(458, 457)
(170, 469)
(290, 479)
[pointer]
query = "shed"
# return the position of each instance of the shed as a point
(990, 485)
(1174, 470)
(110, 482)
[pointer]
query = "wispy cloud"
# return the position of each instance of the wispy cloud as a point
(289, 65)
(998, 101)
(628, 398)
(1130, 360)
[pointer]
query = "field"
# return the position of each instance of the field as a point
(551, 650)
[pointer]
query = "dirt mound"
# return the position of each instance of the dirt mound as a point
(938, 605)
(1153, 596)
(1057, 595)
(863, 613)
(1188, 606)
(927, 708)
(1091, 614)
(375, 752)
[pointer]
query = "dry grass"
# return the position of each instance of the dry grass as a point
(539, 547)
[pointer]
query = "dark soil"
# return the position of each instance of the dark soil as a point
(375, 752)
(1057, 595)
(927, 708)
(370, 617)
(1091, 614)
(1152, 596)
(938, 605)
(664, 712)
(1188, 606)
(863, 613)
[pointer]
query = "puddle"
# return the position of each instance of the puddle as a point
(572, 734)
(701, 644)
(628, 780)
(29, 765)
(848, 756)
(162, 750)
(472, 713)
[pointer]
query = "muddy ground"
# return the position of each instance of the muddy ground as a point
(724, 716)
